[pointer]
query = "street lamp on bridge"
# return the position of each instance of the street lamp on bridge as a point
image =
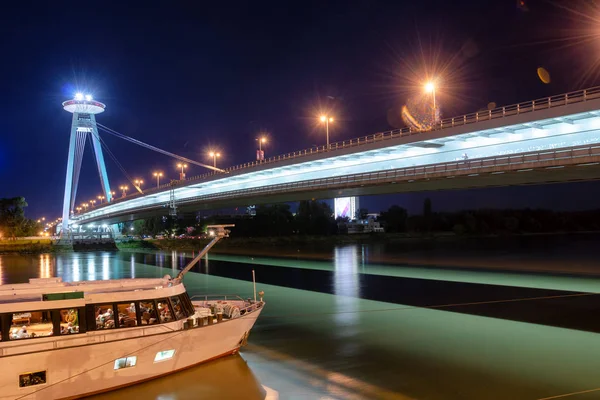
(430, 88)
(101, 198)
(124, 188)
(261, 155)
(158, 176)
(183, 167)
(214, 156)
(326, 119)
(93, 202)
(138, 183)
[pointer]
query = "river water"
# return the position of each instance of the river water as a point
(351, 328)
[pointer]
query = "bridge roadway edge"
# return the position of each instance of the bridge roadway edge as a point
(521, 174)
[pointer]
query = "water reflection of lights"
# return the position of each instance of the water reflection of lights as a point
(132, 266)
(91, 269)
(324, 384)
(271, 394)
(1, 272)
(105, 267)
(45, 266)
(173, 260)
(347, 293)
(76, 269)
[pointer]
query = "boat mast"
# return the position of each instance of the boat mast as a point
(219, 232)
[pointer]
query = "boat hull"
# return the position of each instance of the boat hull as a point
(89, 368)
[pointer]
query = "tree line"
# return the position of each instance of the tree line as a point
(311, 218)
(316, 218)
(13, 223)
(489, 221)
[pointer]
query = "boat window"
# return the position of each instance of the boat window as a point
(125, 362)
(187, 304)
(177, 307)
(148, 311)
(164, 311)
(69, 321)
(164, 355)
(32, 378)
(127, 316)
(105, 316)
(31, 324)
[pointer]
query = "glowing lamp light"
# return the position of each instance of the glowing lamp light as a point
(78, 96)
(323, 118)
(429, 87)
(88, 97)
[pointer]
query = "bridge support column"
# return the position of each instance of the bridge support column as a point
(116, 231)
(84, 109)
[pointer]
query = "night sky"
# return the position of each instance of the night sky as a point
(202, 75)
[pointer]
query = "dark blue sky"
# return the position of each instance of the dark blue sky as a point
(196, 75)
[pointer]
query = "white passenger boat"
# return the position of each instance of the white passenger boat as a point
(67, 340)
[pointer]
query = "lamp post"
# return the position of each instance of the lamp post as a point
(182, 174)
(327, 119)
(101, 198)
(124, 188)
(261, 156)
(214, 156)
(138, 183)
(158, 175)
(92, 202)
(430, 88)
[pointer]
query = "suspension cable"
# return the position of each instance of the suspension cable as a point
(149, 146)
(114, 158)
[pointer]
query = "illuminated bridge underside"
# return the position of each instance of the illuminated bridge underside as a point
(565, 165)
(561, 144)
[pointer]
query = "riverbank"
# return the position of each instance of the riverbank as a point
(26, 246)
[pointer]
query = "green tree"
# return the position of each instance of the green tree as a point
(275, 219)
(315, 218)
(12, 218)
(361, 214)
(394, 219)
(427, 214)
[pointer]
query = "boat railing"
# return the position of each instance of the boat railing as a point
(216, 297)
(249, 304)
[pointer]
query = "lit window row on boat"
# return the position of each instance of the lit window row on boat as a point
(93, 317)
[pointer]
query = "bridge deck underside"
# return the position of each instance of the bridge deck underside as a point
(459, 175)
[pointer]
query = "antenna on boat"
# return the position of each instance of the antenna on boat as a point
(217, 232)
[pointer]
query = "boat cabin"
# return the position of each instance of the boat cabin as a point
(90, 306)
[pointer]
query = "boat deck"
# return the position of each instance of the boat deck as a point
(36, 288)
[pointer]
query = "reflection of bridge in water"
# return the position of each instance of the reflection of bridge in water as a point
(556, 139)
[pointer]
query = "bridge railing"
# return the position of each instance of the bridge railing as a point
(475, 165)
(467, 119)
(487, 115)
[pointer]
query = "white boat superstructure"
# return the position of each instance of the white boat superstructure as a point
(66, 340)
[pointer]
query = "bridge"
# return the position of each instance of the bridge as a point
(554, 139)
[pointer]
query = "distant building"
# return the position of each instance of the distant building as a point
(345, 207)
(368, 225)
